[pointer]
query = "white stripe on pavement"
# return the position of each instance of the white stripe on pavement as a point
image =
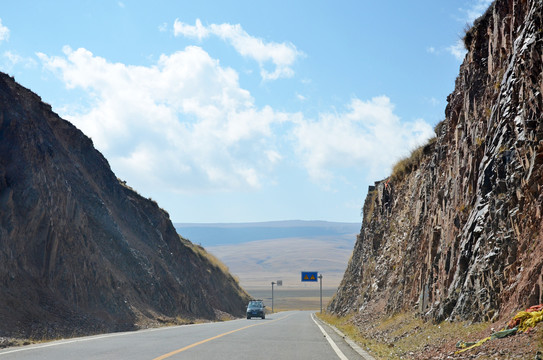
(339, 353)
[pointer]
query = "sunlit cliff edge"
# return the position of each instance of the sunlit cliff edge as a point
(456, 231)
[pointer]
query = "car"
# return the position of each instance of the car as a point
(255, 308)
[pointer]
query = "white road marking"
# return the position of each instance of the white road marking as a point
(86, 338)
(353, 345)
(339, 353)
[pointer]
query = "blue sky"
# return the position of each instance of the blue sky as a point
(243, 111)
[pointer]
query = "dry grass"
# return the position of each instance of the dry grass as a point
(403, 334)
(410, 163)
(201, 252)
(407, 165)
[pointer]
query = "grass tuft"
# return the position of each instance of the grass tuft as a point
(407, 165)
(411, 163)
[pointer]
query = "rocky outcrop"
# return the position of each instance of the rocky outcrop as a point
(456, 231)
(80, 252)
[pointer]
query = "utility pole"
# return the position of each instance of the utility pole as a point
(278, 283)
(273, 283)
(320, 278)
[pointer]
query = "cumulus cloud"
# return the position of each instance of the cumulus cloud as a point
(367, 135)
(4, 32)
(183, 123)
(282, 55)
(458, 50)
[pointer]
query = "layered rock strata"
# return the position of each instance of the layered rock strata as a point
(81, 252)
(457, 232)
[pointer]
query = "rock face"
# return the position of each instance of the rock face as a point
(456, 232)
(80, 252)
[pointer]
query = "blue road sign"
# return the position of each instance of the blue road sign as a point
(310, 276)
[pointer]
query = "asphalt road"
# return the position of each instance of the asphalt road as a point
(286, 335)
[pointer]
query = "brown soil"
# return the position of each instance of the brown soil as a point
(404, 336)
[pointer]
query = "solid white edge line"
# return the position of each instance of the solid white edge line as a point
(352, 344)
(339, 353)
(88, 338)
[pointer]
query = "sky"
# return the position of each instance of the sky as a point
(244, 111)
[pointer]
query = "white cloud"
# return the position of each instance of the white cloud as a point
(4, 32)
(197, 31)
(12, 59)
(477, 9)
(368, 135)
(163, 27)
(183, 123)
(273, 156)
(458, 50)
(470, 14)
(282, 55)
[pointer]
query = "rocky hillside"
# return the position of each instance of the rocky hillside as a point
(456, 232)
(80, 252)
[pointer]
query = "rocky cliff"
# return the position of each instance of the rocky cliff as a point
(80, 252)
(456, 231)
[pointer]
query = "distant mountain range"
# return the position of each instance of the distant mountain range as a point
(258, 253)
(216, 234)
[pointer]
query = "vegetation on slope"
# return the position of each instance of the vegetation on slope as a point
(408, 164)
(405, 336)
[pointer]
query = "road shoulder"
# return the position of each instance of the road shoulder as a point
(347, 345)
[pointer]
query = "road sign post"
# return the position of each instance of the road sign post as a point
(273, 283)
(278, 283)
(312, 276)
(320, 278)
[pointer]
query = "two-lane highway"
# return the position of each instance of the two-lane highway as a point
(287, 335)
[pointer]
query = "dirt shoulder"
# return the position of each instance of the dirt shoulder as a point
(405, 336)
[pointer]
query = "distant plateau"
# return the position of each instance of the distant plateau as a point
(261, 252)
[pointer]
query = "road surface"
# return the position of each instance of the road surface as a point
(285, 335)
